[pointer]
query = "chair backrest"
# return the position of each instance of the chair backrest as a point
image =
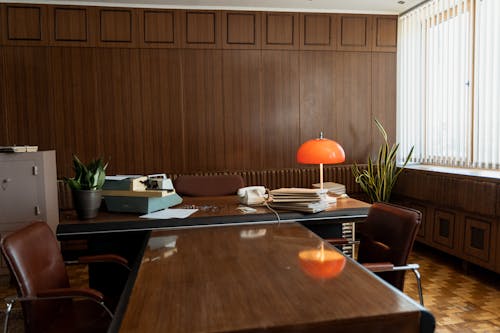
(200, 186)
(33, 256)
(388, 236)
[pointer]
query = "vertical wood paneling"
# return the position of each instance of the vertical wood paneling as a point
(318, 31)
(242, 112)
(75, 104)
(24, 24)
(180, 110)
(29, 115)
(162, 132)
(3, 115)
(280, 108)
(202, 104)
(280, 31)
(317, 95)
(160, 28)
(119, 100)
(353, 105)
(383, 97)
(241, 30)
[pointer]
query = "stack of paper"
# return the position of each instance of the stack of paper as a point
(334, 188)
(300, 199)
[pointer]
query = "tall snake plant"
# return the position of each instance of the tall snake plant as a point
(380, 176)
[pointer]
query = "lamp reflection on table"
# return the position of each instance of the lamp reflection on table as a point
(322, 263)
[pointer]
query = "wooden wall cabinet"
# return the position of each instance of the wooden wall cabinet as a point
(201, 29)
(477, 239)
(461, 225)
(356, 32)
(385, 31)
(318, 31)
(85, 26)
(241, 30)
(117, 27)
(160, 28)
(24, 24)
(71, 26)
(444, 228)
(280, 31)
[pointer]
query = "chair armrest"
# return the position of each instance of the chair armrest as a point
(102, 258)
(72, 292)
(378, 266)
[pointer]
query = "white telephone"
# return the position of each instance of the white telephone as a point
(252, 195)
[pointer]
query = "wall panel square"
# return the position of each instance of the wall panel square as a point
(385, 33)
(241, 30)
(318, 31)
(355, 32)
(201, 29)
(71, 26)
(160, 28)
(117, 27)
(24, 24)
(280, 31)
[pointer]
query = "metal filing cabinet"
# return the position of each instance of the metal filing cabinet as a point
(28, 191)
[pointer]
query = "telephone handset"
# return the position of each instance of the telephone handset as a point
(252, 195)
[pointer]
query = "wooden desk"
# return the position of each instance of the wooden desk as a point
(212, 211)
(221, 280)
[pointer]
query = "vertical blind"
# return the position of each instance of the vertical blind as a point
(487, 85)
(448, 73)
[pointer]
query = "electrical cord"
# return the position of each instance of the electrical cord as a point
(266, 203)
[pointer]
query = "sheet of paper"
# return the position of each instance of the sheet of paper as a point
(170, 214)
(120, 177)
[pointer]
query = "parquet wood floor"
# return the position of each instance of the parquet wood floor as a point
(460, 302)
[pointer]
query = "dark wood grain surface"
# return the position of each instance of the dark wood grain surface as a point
(249, 279)
(124, 84)
(211, 211)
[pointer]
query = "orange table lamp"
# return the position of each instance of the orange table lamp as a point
(320, 151)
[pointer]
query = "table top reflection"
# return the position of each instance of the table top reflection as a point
(250, 278)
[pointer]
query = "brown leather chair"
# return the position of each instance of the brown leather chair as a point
(206, 186)
(49, 303)
(386, 240)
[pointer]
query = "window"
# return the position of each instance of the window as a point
(448, 82)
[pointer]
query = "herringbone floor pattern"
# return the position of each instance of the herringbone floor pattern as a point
(460, 302)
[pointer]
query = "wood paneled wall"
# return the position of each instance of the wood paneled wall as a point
(182, 91)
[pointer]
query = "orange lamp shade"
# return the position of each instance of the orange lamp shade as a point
(322, 264)
(320, 151)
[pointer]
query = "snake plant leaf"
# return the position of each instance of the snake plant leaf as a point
(380, 176)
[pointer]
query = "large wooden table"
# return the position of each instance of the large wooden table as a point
(231, 271)
(249, 279)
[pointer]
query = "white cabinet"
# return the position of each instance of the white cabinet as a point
(28, 191)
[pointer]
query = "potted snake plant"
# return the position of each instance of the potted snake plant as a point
(86, 186)
(379, 177)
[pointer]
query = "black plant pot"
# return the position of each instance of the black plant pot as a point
(87, 203)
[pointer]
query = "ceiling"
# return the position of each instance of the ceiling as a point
(334, 6)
